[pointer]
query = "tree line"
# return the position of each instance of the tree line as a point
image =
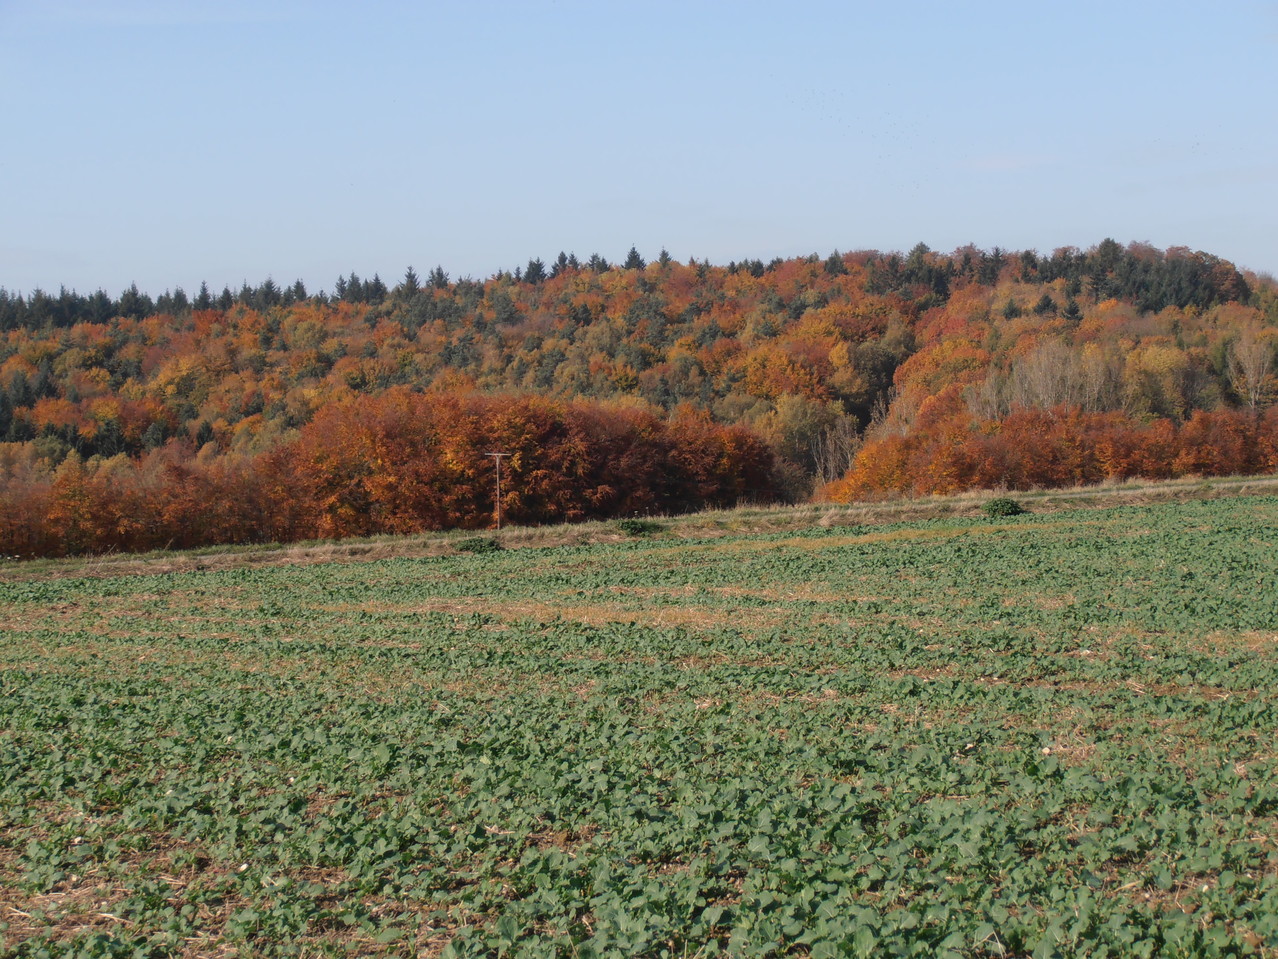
(826, 361)
(397, 462)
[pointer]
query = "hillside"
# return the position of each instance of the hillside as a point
(372, 409)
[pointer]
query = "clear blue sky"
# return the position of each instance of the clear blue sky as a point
(165, 142)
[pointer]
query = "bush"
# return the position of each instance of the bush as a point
(478, 544)
(638, 527)
(1003, 507)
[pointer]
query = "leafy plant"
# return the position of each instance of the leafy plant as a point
(876, 740)
(1003, 506)
(638, 527)
(478, 544)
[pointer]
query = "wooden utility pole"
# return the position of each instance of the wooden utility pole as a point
(497, 459)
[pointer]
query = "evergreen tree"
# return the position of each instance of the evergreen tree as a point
(154, 436)
(70, 308)
(354, 291)
(12, 310)
(1106, 258)
(99, 307)
(21, 393)
(633, 261)
(40, 307)
(135, 305)
(203, 301)
(536, 272)
(991, 266)
(44, 384)
(268, 295)
(109, 439)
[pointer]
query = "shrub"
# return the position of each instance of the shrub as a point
(638, 527)
(1003, 507)
(478, 544)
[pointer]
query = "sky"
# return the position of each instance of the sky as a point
(170, 142)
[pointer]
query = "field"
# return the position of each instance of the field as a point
(1046, 735)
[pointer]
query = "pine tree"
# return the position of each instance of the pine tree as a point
(99, 307)
(354, 292)
(268, 294)
(133, 304)
(204, 433)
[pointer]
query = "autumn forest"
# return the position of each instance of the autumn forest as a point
(275, 414)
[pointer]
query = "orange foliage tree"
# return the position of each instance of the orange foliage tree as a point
(1061, 447)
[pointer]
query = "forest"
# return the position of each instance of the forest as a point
(277, 414)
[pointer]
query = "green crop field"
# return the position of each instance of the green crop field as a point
(1046, 735)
